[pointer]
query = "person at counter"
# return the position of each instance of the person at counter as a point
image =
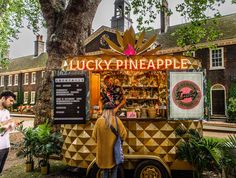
(105, 139)
(112, 92)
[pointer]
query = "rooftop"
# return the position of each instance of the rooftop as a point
(227, 26)
(26, 62)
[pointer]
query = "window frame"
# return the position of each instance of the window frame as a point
(32, 102)
(10, 80)
(42, 74)
(33, 81)
(222, 57)
(26, 101)
(2, 81)
(15, 84)
(25, 78)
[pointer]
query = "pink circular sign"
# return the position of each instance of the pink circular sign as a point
(186, 94)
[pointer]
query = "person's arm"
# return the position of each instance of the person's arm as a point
(122, 103)
(100, 106)
(122, 130)
(94, 134)
(7, 122)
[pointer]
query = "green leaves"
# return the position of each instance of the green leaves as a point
(228, 149)
(202, 153)
(12, 16)
(230, 142)
(146, 12)
(199, 27)
(41, 142)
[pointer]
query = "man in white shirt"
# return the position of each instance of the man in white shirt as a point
(7, 99)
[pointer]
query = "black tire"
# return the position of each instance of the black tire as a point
(95, 172)
(151, 167)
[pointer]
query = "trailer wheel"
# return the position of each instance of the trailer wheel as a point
(151, 169)
(96, 172)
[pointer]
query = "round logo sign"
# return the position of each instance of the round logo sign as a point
(186, 94)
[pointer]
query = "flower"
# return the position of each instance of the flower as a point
(129, 51)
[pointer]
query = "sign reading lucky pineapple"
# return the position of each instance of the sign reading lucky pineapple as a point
(186, 95)
(70, 97)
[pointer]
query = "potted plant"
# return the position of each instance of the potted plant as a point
(28, 148)
(48, 143)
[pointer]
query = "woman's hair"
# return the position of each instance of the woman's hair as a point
(107, 114)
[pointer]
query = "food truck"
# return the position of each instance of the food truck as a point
(163, 93)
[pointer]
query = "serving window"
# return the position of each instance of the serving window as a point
(146, 92)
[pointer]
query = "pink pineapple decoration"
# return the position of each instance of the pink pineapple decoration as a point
(130, 51)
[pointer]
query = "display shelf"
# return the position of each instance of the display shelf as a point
(126, 86)
(142, 98)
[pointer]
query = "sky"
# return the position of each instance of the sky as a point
(24, 45)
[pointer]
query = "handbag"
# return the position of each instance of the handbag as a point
(118, 150)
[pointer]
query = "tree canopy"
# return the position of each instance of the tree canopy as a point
(12, 15)
(198, 28)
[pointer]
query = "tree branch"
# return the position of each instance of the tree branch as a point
(58, 5)
(76, 24)
(48, 14)
(82, 5)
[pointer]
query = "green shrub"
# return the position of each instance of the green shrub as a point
(232, 109)
(202, 153)
(48, 142)
(41, 142)
(29, 143)
(228, 160)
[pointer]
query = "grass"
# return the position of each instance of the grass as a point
(57, 169)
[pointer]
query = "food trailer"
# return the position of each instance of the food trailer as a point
(163, 93)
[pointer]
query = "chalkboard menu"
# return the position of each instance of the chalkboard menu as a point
(70, 98)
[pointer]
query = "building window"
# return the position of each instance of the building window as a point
(2, 81)
(33, 78)
(32, 97)
(217, 58)
(16, 93)
(26, 97)
(10, 80)
(26, 79)
(43, 74)
(16, 79)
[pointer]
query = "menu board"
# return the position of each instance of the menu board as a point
(70, 98)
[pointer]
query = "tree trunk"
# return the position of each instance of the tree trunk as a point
(67, 31)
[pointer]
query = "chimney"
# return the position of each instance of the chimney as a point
(38, 45)
(165, 19)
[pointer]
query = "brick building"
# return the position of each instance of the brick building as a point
(24, 74)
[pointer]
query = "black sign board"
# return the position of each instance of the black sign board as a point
(70, 98)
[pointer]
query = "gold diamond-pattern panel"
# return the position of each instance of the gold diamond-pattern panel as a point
(157, 137)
